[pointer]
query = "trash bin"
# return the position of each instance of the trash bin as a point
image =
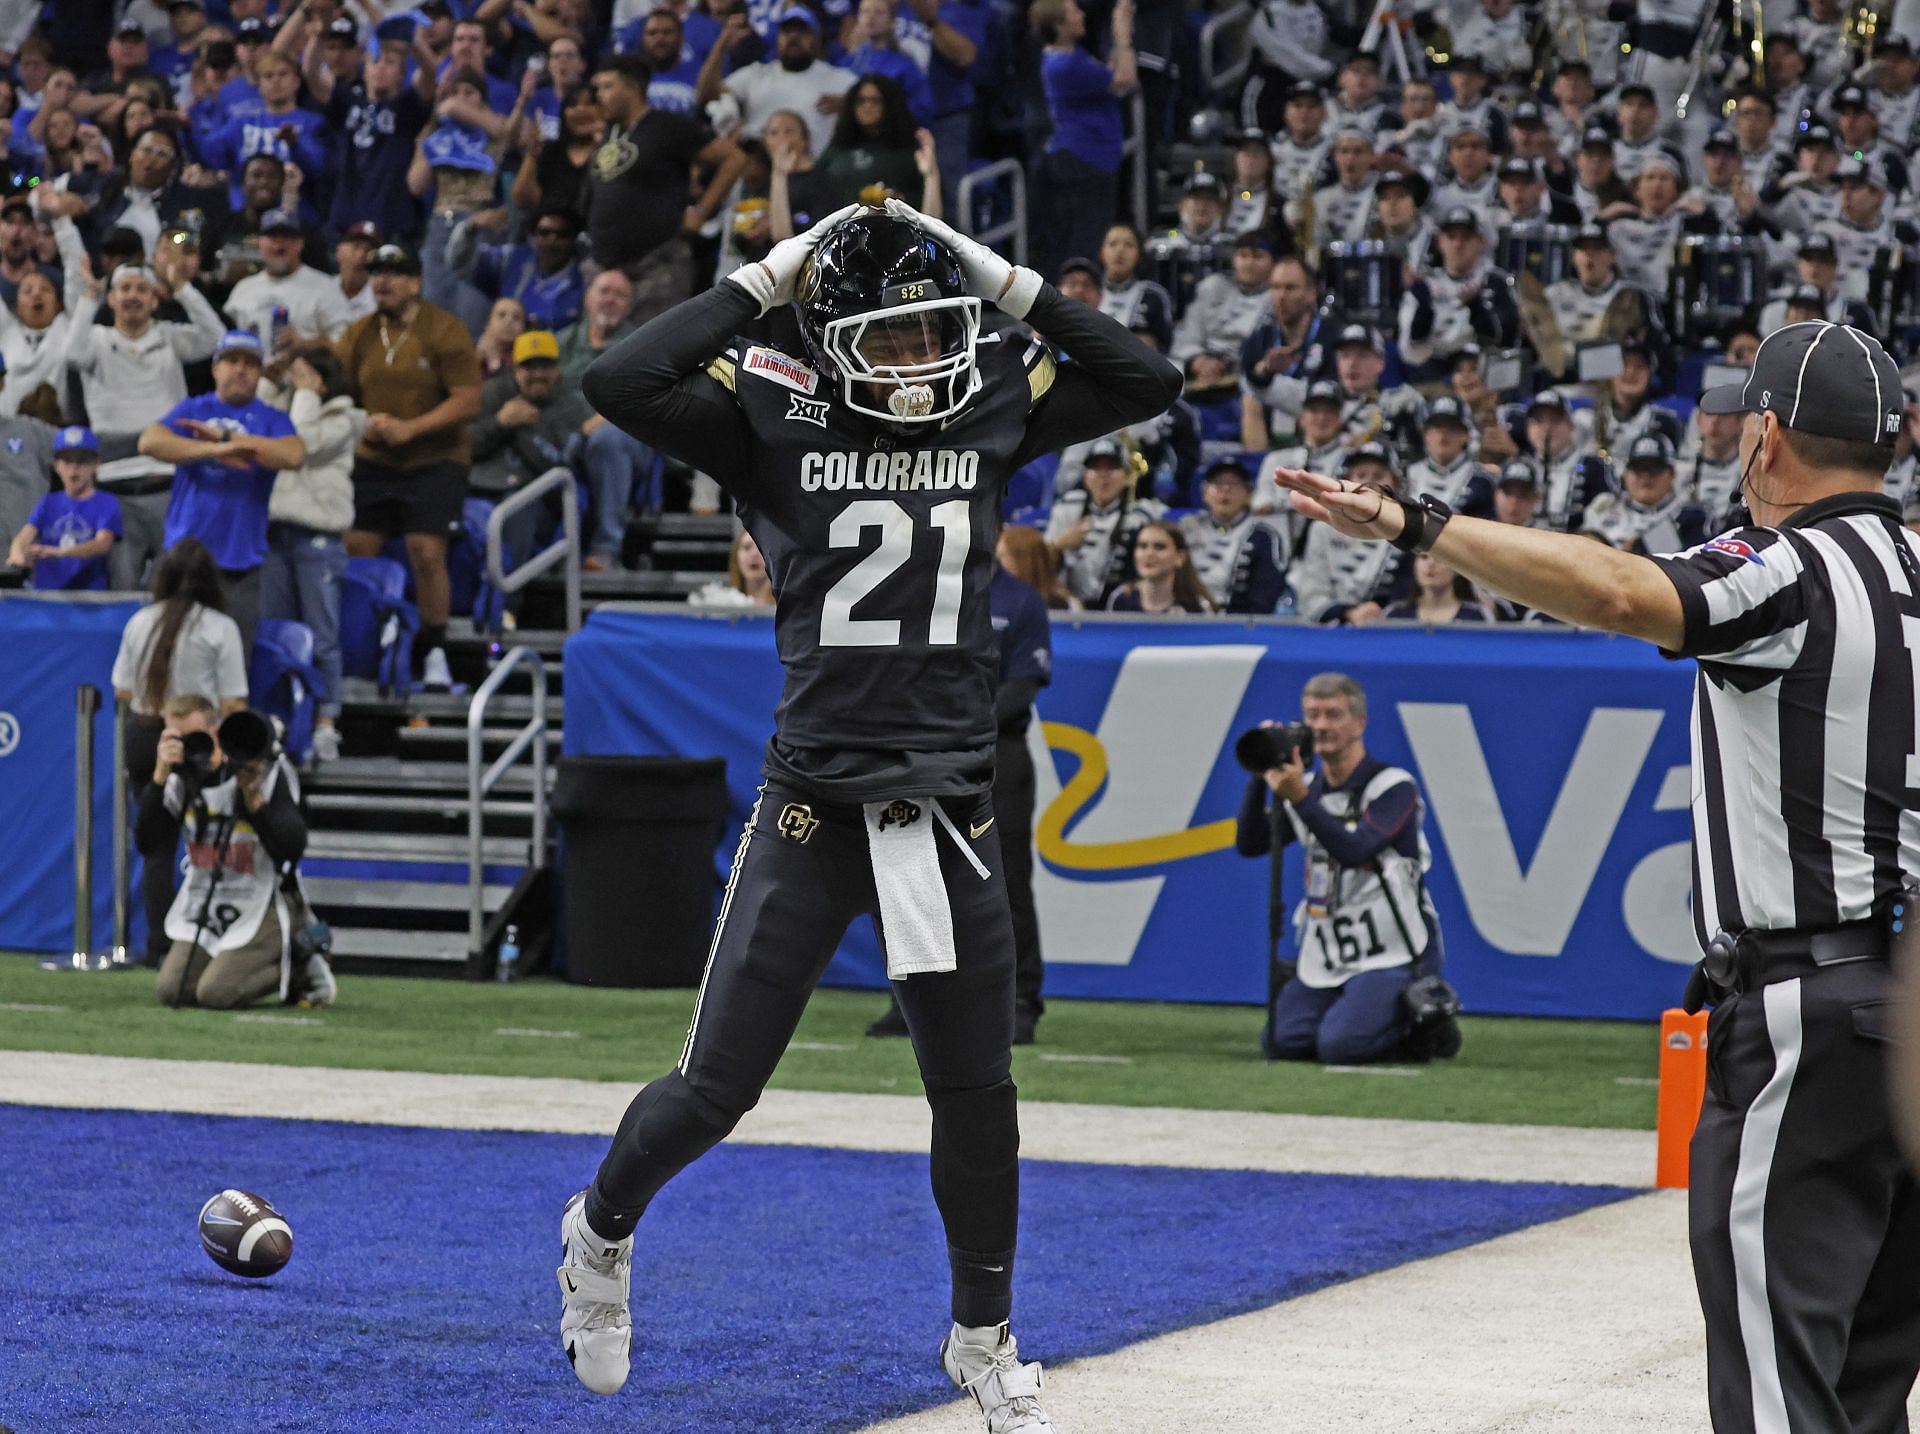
(637, 865)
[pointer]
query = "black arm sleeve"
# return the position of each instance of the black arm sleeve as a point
(155, 829)
(281, 828)
(653, 383)
(1111, 380)
(1255, 826)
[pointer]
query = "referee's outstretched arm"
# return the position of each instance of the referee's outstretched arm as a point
(1573, 578)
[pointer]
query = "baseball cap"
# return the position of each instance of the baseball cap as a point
(1255, 239)
(1460, 217)
(1596, 137)
(202, 4)
(1323, 390)
(1256, 135)
(252, 31)
(281, 221)
(1200, 182)
(1517, 167)
(1814, 134)
(1230, 464)
(1081, 265)
(797, 15)
(16, 201)
(1448, 409)
(1547, 398)
(1893, 41)
(1830, 380)
(1818, 246)
(1519, 471)
(1467, 60)
(1721, 138)
(536, 346)
(1365, 335)
(1411, 180)
(1528, 113)
(129, 29)
(1306, 90)
(239, 341)
(1371, 452)
(1650, 450)
(1634, 89)
(366, 230)
(1592, 234)
(1469, 129)
(1661, 159)
(393, 259)
(77, 438)
(1849, 97)
(1107, 450)
(1810, 295)
(1862, 171)
(341, 27)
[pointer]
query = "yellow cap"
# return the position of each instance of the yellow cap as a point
(535, 345)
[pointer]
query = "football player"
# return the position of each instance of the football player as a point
(869, 471)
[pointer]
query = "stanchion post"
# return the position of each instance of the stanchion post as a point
(86, 702)
(122, 857)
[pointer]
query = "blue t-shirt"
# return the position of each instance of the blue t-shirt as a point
(1022, 631)
(1086, 116)
(508, 271)
(243, 136)
(952, 87)
(63, 522)
(225, 508)
(673, 90)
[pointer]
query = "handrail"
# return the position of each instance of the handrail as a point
(1216, 81)
(564, 549)
(479, 782)
(1014, 228)
(1135, 149)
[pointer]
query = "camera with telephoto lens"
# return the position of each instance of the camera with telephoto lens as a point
(1261, 749)
(245, 737)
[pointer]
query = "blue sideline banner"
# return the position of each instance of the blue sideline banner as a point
(52, 647)
(1554, 764)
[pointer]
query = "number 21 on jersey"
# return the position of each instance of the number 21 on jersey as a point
(840, 628)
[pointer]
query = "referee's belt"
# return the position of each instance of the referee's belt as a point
(1752, 959)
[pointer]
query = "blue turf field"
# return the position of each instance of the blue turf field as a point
(775, 1289)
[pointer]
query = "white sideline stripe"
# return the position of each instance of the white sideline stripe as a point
(1095, 1134)
(1747, 1218)
(536, 1031)
(1372, 1070)
(1067, 1058)
(818, 1046)
(254, 1018)
(29, 1006)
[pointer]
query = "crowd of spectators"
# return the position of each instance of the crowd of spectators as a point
(298, 280)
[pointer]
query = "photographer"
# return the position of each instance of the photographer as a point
(235, 796)
(1366, 984)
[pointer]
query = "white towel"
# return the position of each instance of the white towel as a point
(916, 919)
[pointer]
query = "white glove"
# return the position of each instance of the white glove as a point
(771, 280)
(988, 275)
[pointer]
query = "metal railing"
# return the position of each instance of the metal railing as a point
(1220, 81)
(564, 549)
(480, 782)
(82, 956)
(1014, 228)
(1135, 149)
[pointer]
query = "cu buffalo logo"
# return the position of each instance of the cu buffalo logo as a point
(899, 814)
(797, 822)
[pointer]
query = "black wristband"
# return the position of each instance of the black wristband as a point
(1422, 520)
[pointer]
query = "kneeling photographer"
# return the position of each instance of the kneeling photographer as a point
(239, 927)
(1366, 984)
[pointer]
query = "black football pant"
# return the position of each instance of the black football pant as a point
(1013, 817)
(801, 875)
(1805, 1220)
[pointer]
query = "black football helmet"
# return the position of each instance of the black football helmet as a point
(884, 309)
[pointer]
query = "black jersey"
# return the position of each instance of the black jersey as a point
(879, 539)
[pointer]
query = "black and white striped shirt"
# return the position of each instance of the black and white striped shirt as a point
(1806, 770)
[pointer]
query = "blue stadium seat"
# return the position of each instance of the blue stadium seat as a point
(473, 591)
(377, 624)
(283, 682)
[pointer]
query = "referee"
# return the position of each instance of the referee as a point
(1806, 790)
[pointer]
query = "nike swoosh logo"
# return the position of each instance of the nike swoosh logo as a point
(571, 1289)
(994, 1269)
(975, 833)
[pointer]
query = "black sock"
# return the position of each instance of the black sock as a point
(608, 1223)
(982, 1287)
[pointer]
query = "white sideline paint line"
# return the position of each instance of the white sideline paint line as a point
(1094, 1134)
(1586, 1323)
(1065, 1058)
(536, 1031)
(257, 1019)
(817, 1046)
(30, 1006)
(1636, 1080)
(1373, 1070)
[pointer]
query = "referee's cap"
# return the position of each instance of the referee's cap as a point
(1829, 380)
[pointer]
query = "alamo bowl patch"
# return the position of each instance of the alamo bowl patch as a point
(788, 372)
(1736, 547)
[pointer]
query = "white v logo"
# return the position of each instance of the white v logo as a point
(1527, 913)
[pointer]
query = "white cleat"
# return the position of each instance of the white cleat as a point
(986, 1364)
(318, 987)
(595, 1275)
